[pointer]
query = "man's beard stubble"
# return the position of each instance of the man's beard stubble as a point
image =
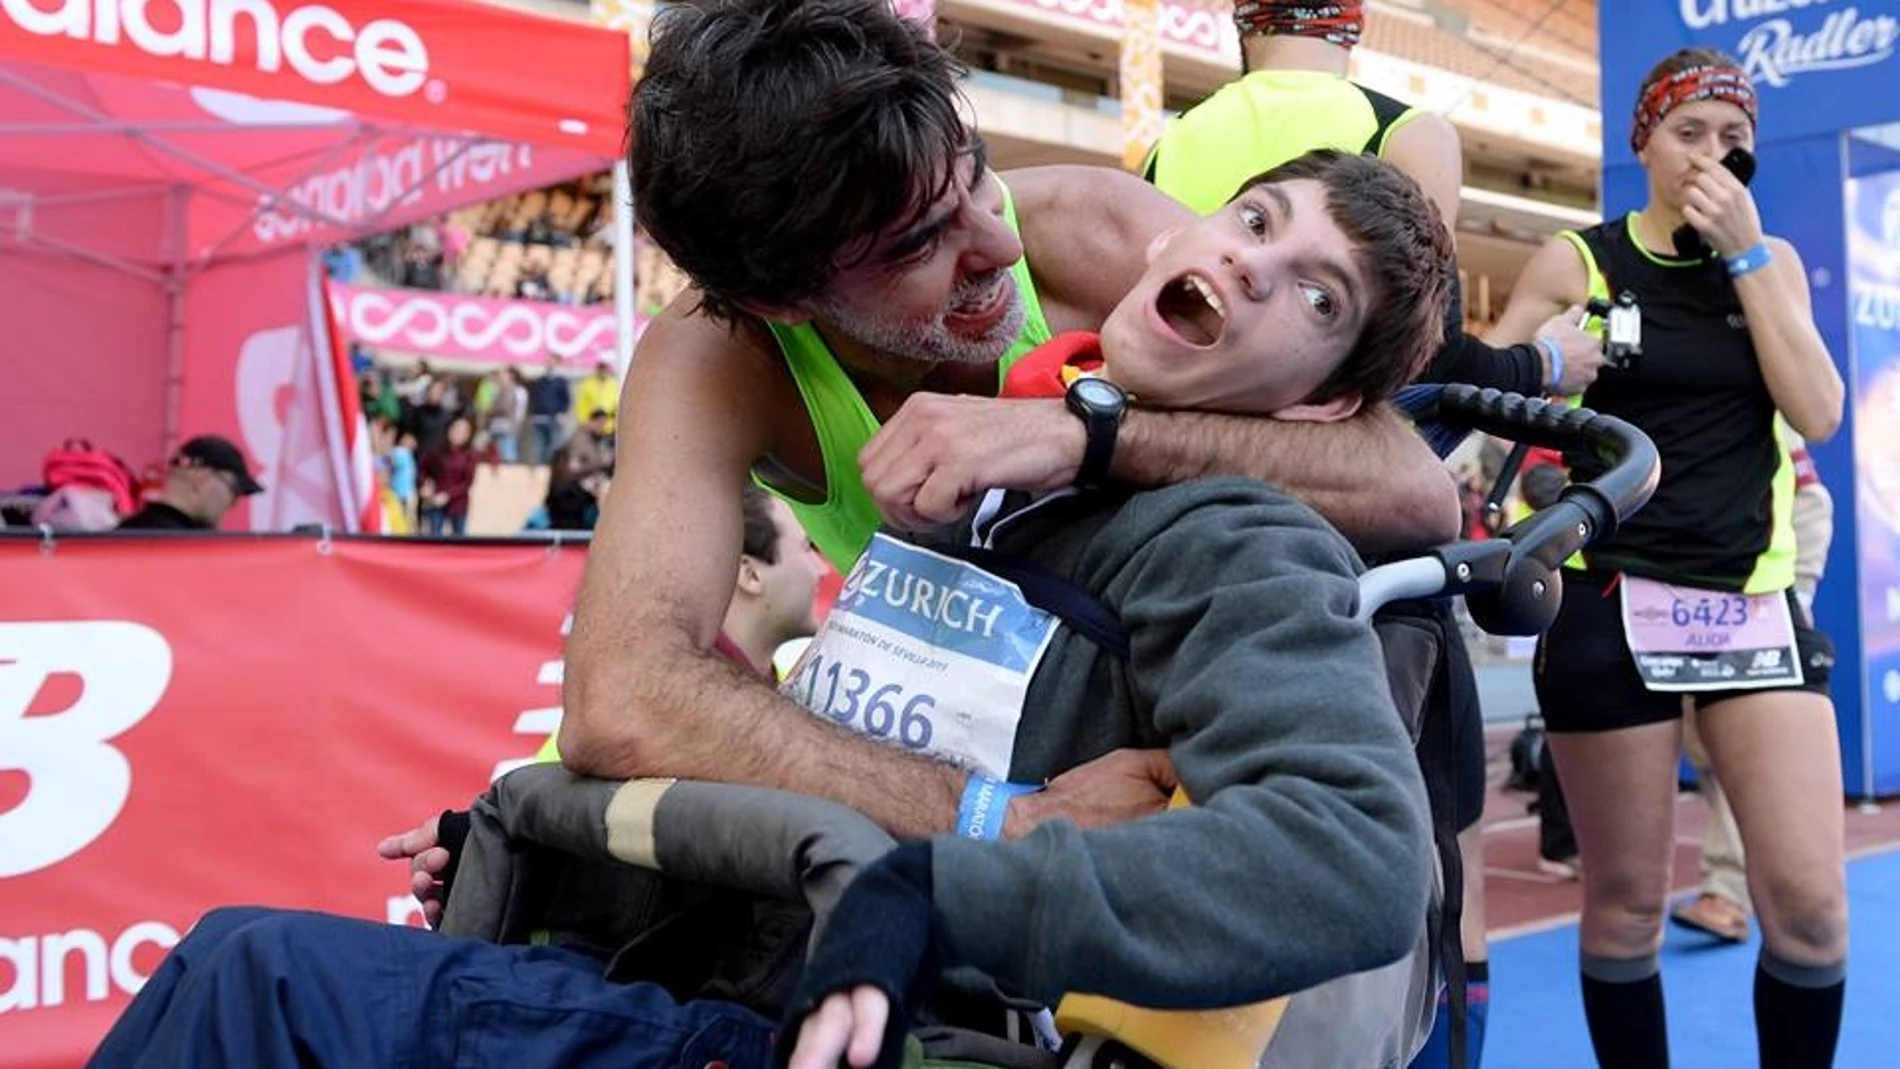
(932, 342)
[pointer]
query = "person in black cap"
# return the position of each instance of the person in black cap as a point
(207, 476)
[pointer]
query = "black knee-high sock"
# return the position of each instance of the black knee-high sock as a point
(1623, 1004)
(1798, 1012)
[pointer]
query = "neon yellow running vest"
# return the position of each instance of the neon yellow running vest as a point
(843, 523)
(1262, 120)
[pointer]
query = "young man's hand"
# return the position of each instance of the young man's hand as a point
(427, 862)
(939, 453)
(848, 1027)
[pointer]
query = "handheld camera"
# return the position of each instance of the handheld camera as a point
(1623, 329)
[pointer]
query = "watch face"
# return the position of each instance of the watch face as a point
(1097, 393)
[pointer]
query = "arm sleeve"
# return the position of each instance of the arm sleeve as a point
(1463, 358)
(1306, 853)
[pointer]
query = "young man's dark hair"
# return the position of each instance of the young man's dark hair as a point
(1407, 252)
(760, 185)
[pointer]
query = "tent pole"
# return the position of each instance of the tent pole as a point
(175, 275)
(623, 269)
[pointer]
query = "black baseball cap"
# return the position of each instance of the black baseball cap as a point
(220, 454)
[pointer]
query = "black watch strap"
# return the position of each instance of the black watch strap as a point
(1099, 453)
(1100, 406)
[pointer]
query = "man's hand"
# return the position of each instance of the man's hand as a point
(427, 862)
(1582, 351)
(938, 452)
(1720, 208)
(1114, 788)
(848, 1025)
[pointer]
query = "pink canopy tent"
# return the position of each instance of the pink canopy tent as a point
(169, 167)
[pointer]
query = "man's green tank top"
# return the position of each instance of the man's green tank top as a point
(843, 523)
(1262, 120)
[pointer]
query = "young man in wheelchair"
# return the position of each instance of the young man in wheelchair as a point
(1304, 857)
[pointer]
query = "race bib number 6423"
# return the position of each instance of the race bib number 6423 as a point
(1686, 639)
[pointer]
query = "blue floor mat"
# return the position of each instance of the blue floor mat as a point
(1537, 1013)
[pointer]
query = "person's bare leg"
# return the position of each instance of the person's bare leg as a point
(1720, 908)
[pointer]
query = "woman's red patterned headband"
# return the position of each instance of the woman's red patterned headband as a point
(1665, 95)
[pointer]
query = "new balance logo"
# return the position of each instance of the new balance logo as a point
(387, 54)
(79, 780)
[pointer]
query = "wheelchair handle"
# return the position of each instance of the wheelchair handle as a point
(1631, 463)
(1513, 584)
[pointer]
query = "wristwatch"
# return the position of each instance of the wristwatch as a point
(1100, 404)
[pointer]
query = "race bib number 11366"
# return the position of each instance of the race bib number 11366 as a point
(925, 652)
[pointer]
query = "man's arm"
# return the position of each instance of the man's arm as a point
(1370, 476)
(644, 696)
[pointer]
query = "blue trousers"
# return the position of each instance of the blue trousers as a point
(261, 988)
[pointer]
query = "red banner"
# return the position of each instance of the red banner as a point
(188, 723)
(436, 64)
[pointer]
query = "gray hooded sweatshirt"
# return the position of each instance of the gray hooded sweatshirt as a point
(1307, 852)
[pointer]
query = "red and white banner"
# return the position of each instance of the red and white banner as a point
(254, 372)
(348, 430)
(446, 65)
(475, 328)
(189, 723)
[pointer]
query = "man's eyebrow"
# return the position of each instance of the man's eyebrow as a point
(917, 237)
(925, 232)
(1329, 268)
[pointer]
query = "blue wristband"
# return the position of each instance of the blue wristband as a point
(1750, 261)
(1556, 355)
(984, 801)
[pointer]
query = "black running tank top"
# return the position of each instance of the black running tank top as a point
(1720, 517)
